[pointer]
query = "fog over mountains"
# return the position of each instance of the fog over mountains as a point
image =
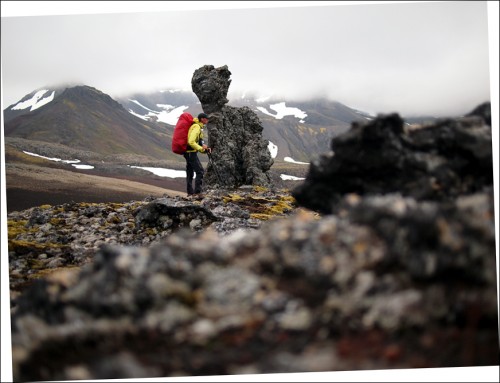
(88, 119)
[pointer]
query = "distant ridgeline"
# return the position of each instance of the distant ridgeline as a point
(85, 118)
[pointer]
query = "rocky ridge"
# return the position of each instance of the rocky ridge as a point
(247, 280)
(47, 238)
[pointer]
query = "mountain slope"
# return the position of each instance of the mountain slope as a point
(85, 118)
(299, 129)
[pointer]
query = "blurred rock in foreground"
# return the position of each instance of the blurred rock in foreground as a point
(391, 276)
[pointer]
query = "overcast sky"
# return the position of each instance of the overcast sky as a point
(411, 58)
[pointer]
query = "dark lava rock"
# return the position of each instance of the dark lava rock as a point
(240, 156)
(438, 162)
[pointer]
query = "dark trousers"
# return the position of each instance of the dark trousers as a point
(193, 165)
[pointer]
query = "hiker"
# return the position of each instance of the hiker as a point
(195, 145)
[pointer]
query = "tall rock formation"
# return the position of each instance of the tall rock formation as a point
(240, 156)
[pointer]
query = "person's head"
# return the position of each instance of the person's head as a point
(203, 118)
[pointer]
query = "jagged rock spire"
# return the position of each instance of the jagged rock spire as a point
(211, 85)
(240, 155)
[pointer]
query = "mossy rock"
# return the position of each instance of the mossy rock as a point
(25, 247)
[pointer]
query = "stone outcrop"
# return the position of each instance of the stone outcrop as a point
(438, 162)
(375, 288)
(389, 277)
(240, 155)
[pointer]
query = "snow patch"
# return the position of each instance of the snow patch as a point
(145, 118)
(142, 106)
(35, 102)
(285, 177)
(75, 163)
(169, 114)
(282, 110)
(273, 149)
(165, 106)
(171, 91)
(262, 99)
(171, 117)
(289, 159)
(83, 167)
(161, 172)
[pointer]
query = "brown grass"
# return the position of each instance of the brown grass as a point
(30, 185)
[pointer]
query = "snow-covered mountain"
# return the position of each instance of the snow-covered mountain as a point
(296, 131)
(82, 117)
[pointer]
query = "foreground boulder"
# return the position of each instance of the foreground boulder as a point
(438, 162)
(301, 294)
(240, 155)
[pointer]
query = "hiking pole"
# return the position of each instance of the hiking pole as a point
(214, 167)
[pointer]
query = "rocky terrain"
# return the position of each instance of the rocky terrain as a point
(383, 258)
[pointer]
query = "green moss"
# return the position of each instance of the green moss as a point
(87, 204)
(274, 208)
(23, 247)
(57, 221)
(114, 220)
(260, 216)
(262, 208)
(232, 198)
(43, 273)
(115, 206)
(151, 231)
(130, 225)
(15, 228)
(36, 264)
(260, 189)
